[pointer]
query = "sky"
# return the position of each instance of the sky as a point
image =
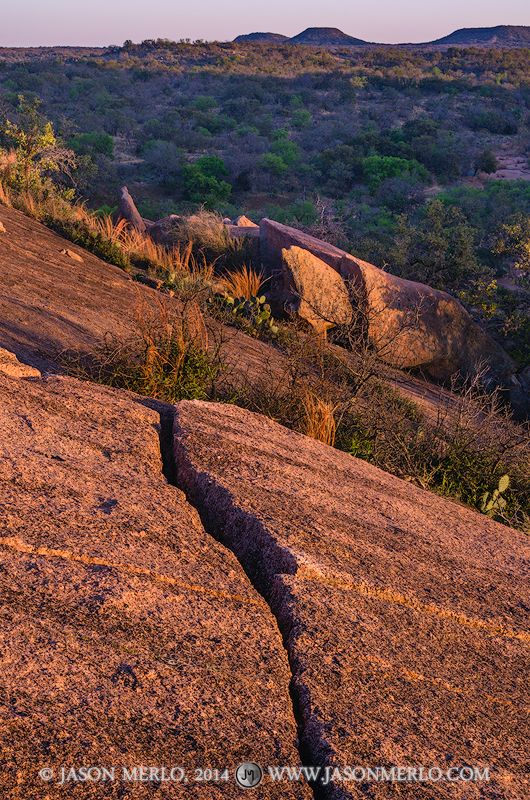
(33, 23)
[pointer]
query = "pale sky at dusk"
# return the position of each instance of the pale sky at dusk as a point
(101, 22)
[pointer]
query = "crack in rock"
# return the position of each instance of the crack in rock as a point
(404, 616)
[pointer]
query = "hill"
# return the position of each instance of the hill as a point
(325, 37)
(499, 36)
(261, 37)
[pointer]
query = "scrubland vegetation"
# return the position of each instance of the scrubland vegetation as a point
(385, 153)
(377, 150)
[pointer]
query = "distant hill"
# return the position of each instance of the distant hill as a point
(500, 36)
(262, 37)
(325, 37)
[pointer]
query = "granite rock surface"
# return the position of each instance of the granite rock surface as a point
(405, 616)
(129, 636)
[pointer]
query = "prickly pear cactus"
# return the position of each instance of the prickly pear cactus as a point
(495, 504)
(253, 314)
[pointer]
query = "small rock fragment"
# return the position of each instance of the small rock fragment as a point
(71, 254)
(244, 222)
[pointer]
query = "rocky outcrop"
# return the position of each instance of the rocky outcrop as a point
(242, 226)
(244, 222)
(129, 637)
(127, 210)
(313, 291)
(405, 616)
(166, 230)
(136, 633)
(409, 324)
(275, 237)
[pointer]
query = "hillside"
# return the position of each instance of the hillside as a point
(498, 36)
(196, 579)
(359, 146)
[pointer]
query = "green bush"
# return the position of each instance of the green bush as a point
(204, 182)
(93, 142)
(39, 156)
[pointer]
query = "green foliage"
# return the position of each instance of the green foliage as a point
(514, 240)
(94, 242)
(438, 249)
(171, 375)
(287, 150)
(274, 164)
(95, 142)
(204, 184)
(378, 168)
(457, 456)
(301, 118)
(494, 121)
(204, 103)
(38, 154)
(486, 162)
(482, 295)
(164, 358)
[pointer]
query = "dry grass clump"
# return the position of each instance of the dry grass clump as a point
(172, 263)
(302, 395)
(319, 419)
(243, 282)
(165, 356)
(115, 242)
(200, 243)
(461, 455)
(211, 239)
(207, 232)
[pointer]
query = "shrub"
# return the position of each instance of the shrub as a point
(204, 182)
(37, 156)
(486, 162)
(165, 357)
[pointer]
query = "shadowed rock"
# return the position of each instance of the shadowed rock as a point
(127, 210)
(166, 230)
(412, 325)
(405, 615)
